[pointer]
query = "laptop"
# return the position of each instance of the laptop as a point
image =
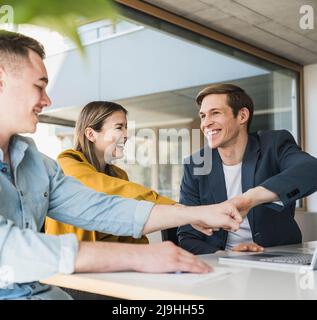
(287, 260)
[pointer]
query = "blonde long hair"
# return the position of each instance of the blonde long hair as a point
(93, 116)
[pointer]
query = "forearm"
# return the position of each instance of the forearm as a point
(260, 195)
(165, 217)
(224, 215)
(106, 257)
(157, 258)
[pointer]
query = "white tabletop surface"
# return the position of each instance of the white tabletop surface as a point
(226, 282)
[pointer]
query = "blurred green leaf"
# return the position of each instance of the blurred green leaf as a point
(63, 16)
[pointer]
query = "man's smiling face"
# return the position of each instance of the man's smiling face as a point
(23, 94)
(218, 123)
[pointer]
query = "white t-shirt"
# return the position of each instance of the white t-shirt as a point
(234, 188)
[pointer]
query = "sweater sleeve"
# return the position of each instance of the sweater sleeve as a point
(90, 177)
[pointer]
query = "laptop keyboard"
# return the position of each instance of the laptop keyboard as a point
(302, 259)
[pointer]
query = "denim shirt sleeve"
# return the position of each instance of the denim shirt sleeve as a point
(73, 203)
(27, 255)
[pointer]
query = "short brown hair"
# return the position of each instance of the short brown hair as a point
(15, 46)
(237, 98)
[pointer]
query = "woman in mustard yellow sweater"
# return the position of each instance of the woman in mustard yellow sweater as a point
(100, 136)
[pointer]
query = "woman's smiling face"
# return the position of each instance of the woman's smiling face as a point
(110, 141)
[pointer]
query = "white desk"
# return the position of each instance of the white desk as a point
(229, 282)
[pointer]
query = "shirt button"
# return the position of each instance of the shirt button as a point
(21, 193)
(45, 194)
(33, 286)
(4, 170)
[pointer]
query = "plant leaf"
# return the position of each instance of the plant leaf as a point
(62, 16)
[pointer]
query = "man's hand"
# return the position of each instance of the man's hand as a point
(167, 257)
(253, 247)
(206, 218)
(252, 198)
(243, 203)
(155, 258)
(213, 217)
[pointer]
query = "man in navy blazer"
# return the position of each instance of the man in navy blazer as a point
(266, 168)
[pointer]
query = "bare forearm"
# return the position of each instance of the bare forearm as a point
(259, 195)
(165, 216)
(159, 257)
(105, 257)
(216, 216)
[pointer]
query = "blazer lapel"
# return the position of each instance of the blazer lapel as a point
(249, 163)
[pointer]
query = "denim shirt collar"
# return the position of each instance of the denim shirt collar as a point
(17, 148)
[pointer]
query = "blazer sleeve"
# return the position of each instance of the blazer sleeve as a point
(298, 171)
(189, 238)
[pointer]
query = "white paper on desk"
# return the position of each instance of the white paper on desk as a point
(193, 278)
